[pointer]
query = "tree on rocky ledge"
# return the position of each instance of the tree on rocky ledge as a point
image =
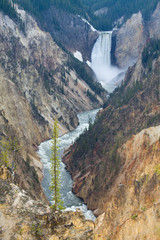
(55, 172)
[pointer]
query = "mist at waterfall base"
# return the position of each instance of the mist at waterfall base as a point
(71, 202)
(109, 76)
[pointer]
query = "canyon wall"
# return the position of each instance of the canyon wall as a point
(128, 41)
(38, 82)
(72, 31)
(115, 165)
(132, 206)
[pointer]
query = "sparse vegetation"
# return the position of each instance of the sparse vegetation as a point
(120, 97)
(150, 52)
(37, 230)
(157, 170)
(85, 74)
(134, 217)
(91, 96)
(7, 147)
(143, 209)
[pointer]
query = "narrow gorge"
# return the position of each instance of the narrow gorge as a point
(109, 162)
(109, 76)
(55, 64)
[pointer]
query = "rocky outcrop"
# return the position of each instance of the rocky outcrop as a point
(153, 25)
(130, 39)
(5, 174)
(72, 31)
(23, 218)
(38, 82)
(132, 207)
(101, 11)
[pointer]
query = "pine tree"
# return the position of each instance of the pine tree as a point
(8, 147)
(4, 152)
(55, 172)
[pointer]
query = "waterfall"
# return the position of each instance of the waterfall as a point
(107, 75)
(101, 53)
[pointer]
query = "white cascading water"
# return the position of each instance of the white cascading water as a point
(102, 49)
(106, 74)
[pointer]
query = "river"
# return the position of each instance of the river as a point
(109, 77)
(71, 202)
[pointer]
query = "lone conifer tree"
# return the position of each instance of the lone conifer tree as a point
(55, 172)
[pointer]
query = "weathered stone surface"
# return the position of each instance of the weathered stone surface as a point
(5, 173)
(36, 85)
(153, 25)
(71, 31)
(23, 218)
(101, 11)
(130, 39)
(132, 207)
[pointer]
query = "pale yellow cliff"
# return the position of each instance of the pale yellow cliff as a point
(132, 207)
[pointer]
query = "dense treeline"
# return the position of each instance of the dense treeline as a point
(7, 7)
(36, 7)
(117, 9)
(87, 8)
(150, 52)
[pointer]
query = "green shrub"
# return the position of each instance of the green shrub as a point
(134, 217)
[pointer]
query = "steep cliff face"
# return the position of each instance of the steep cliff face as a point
(129, 40)
(94, 160)
(132, 207)
(74, 33)
(38, 82)
(153, 25)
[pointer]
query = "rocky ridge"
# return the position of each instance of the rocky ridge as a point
(129, 40)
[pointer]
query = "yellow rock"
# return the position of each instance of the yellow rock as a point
(54, 238)
(5, 173)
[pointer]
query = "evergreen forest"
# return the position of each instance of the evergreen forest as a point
(114, 9)
(8, 8)
(117, 9)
